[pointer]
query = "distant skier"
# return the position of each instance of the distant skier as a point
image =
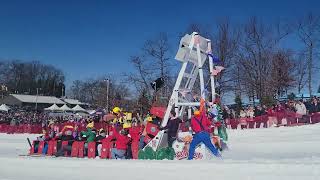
(200, 126)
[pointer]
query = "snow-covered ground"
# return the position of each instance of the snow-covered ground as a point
(286, 153)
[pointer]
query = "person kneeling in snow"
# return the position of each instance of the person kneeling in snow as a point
(200, 126)
(122, 141)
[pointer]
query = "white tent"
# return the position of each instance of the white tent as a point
(54, 107)
(65, 108)
(78, 108)
(91, 111)
(4, 107)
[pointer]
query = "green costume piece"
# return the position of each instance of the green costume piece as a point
(165, 153)
(222, 130)
(149, 153)
(89, 135)
(141, 155)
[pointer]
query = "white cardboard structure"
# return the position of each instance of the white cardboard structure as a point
(193, 51)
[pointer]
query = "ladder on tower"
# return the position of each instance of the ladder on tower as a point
(193, 52)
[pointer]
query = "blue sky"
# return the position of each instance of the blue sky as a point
(91, 38)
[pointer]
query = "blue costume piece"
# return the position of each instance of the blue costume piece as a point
(201, 136)
(215, 59)
(45, 149)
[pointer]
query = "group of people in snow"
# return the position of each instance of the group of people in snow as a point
(130, 136)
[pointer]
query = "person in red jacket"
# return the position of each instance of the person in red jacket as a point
(200, 125)
(122, 141)
(135, 132)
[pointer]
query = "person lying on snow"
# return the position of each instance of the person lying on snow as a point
(200, 126)
(66, 135)
(122, 140)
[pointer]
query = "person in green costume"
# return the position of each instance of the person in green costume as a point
(90, 134)
(216, 112)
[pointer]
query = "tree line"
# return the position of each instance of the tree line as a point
(31, 78)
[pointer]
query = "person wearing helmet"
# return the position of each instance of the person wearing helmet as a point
(200, 125)
(89, 135)
(119, 116)
(116, 110)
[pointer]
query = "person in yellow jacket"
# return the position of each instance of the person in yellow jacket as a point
(119, 115)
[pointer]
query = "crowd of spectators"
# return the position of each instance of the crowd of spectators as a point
(301, 107)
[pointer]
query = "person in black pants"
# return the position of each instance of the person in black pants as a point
(172, 127)
(68, 147)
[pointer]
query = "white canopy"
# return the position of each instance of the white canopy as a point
(54, 107)
(78, 108)
(4, 107)
(65, 108)
(91, 111)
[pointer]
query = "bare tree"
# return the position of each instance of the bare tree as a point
(257, 52)
(142, 75)
(309, 34)
(226, 42)
(156, 52)
(300, 70)
(150, 65)
(282, 73)
(94, 91)
(26, 77)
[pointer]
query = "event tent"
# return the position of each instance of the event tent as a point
(78, 108)
(4, 107)
(54, 107)
(65, 108)
(91, 112)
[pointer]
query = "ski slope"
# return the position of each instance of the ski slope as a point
(286, 153)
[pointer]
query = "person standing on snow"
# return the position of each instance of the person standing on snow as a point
(172, 127)
(301, 108)
(135, 132)
(122, 140)
(200, 125)
(314, 106)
